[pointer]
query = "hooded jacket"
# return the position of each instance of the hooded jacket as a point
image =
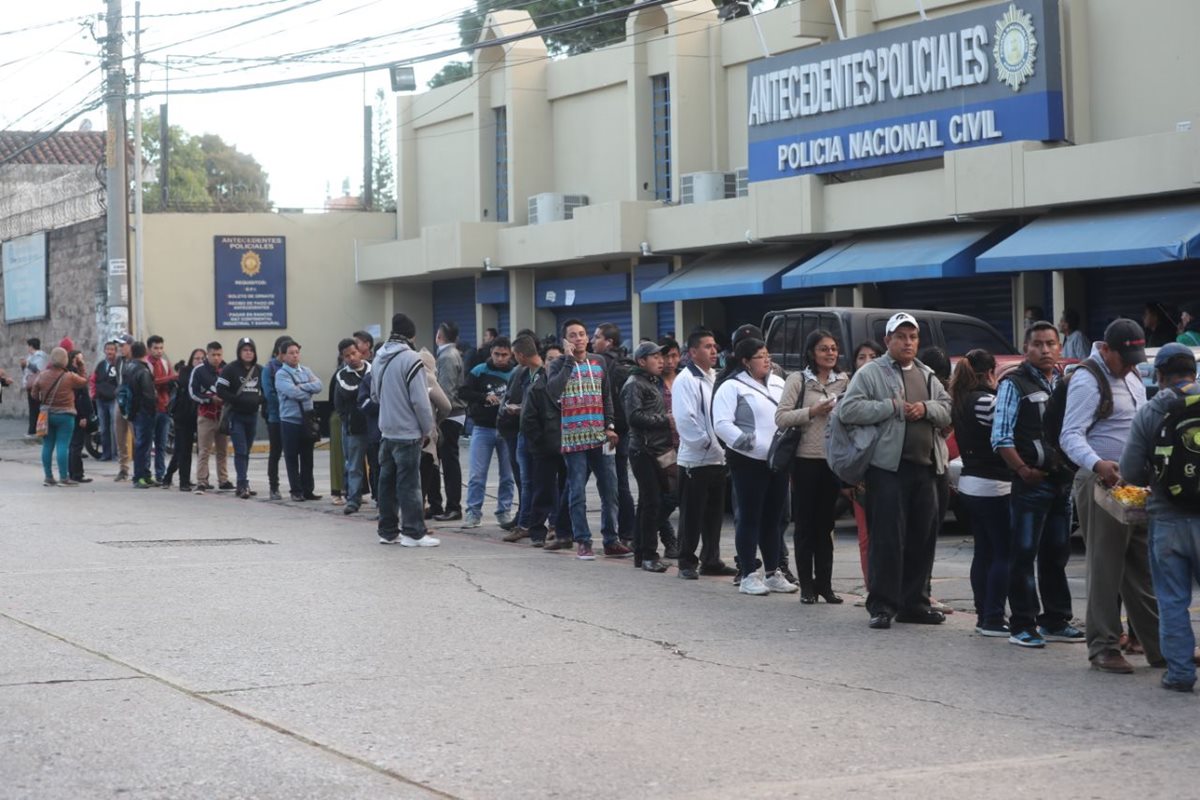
(483, 380)
(241, 384)
(399, 387)
(202, 387)
(346, 383)
(137, 374)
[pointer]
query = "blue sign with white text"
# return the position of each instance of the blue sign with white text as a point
(981, 77)
(251, 281)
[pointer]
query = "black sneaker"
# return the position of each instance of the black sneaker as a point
(225, 486)
(448, 516)
(187, 487)
(299, 498)
(275, 495)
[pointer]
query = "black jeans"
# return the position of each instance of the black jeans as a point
(373, 467)
(34, 408)
(181, 459)
(75, 452)
(814, 497)
(701, 513)
(276, 439)
(626, 510)
(549, 484)
(243, 427)
(298, 457)
(431, 482)
(760, 495)
(902, 517)
(451, 468)
(510, 439)
(652, 485)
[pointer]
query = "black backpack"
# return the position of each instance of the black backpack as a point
(1056, 407)
(1176, 455)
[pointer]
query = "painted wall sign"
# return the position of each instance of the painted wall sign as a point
(251, 281)
(981, 77)
(24, 261)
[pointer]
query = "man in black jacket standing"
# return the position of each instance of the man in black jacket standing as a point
(649, 444)
(541, 431)
(106, 375)
(240, 387)
(606, 343)
(144, 408)
(346, 383)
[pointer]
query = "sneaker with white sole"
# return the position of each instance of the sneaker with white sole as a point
(753, 584)
(778, 583)
(472, 521)
(424, 541)
(995, 630)
(1067, 633)
(1027, 639)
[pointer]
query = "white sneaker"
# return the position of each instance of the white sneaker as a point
(424, 541)
(472, 522)
(753, 584)
(778, 583)
(505, 518)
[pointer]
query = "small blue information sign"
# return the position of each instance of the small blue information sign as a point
(251, 281)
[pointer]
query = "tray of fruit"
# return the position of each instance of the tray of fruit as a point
(1125, 503)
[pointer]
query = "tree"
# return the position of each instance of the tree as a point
(383, 175)
(546, 13)
(205, 173)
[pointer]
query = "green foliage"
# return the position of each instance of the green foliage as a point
(546, 13)
(454, 71)
(204, 173)
(383, 176)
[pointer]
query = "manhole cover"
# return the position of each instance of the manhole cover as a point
(183, 542)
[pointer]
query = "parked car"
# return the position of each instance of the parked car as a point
(957, 334)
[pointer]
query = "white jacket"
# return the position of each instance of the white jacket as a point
(691, 398)
(744, 414)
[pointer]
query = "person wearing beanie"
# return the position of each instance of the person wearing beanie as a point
(400, 390)
(54, 390)
(240, 389)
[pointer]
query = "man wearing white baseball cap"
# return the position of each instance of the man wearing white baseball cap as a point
(900, 396)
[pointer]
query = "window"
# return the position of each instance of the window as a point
(501, 164)
(963, 337)
(661, 96)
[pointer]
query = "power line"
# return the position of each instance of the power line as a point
(227, 28)
(210, 10)
(83, 18)
(37, 140)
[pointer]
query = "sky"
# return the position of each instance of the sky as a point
(308, 137)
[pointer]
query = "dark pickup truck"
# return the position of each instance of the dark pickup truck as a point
(957, 334)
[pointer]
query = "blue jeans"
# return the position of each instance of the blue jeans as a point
(991, 566)
(58, 441)
(143, 436)
(484, 441)
(1041, 531)
(354, 450)
(400, 504)
(525, 463)
(105, 411)
(579, 466)
(162, 423)
(243, 427)
(1175, 565)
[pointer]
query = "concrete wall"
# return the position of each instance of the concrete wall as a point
(325, 303)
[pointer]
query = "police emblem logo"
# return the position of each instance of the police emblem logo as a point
(251, 263)
(1015, 48)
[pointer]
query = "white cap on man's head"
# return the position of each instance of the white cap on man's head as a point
(902, 318)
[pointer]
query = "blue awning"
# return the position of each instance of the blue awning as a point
(931, 253)
(1152, 234)
(729, 274)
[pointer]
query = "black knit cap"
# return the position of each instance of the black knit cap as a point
(403, 325)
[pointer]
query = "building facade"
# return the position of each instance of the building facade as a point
(985, 158)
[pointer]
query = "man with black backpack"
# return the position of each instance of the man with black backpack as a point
(1040, 499)
(1103, 395)
(139, 409)
(1163, 451)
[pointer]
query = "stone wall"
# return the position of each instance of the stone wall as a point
(76, 303)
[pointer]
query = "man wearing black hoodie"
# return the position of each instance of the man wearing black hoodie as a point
(240, 389)
(346, 383)
(145, 407)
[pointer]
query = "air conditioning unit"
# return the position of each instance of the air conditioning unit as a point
(741, 179)
(554, 207)
(701, 187)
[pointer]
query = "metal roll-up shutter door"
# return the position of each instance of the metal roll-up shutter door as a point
(666, 319)
(502, 321)
(988, 298)
(594, 315)
(455, 300)
(1122, 291)
(752, 308)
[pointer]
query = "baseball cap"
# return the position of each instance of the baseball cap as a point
(1127, 339)
(746, 331)
(1169, 351)
(124, 338)
(901, 318)
(646, 349)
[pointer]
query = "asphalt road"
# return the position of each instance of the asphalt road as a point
(303, 659)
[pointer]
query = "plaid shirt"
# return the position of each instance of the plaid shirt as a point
(1008, 405)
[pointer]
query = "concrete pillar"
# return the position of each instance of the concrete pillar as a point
(521, 309)
(1029, 289)
(416, 300)
(866, 295)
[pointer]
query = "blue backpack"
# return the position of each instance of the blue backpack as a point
(126, 401)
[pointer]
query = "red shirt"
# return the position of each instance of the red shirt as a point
(163, 376)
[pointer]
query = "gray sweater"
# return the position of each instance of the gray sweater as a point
(1135, 460)
(875, 396)
(398, 386)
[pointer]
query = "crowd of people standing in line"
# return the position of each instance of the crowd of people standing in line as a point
(557, 413)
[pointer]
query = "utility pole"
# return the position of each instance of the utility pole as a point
(116, 187)
(139, 273)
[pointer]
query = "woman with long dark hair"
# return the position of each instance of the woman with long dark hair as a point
(984, 487)
(808, 397)
(183, 413)
(743, 414)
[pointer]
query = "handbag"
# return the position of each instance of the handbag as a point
(785, 441)
(42, 427)
(310, 425)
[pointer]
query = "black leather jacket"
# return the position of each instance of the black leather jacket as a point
(646, 410)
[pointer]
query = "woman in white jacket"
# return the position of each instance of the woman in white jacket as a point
(744, 418)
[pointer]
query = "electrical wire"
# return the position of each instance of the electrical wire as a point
(82, 18)
(242, 7)
(37, 140)
(269, 15)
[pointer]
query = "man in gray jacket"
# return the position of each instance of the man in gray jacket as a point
(405, 423)
(901, 396)
(451, 373)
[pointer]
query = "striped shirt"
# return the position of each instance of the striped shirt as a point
(582, 407)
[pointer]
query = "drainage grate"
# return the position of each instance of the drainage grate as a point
(183, 542)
